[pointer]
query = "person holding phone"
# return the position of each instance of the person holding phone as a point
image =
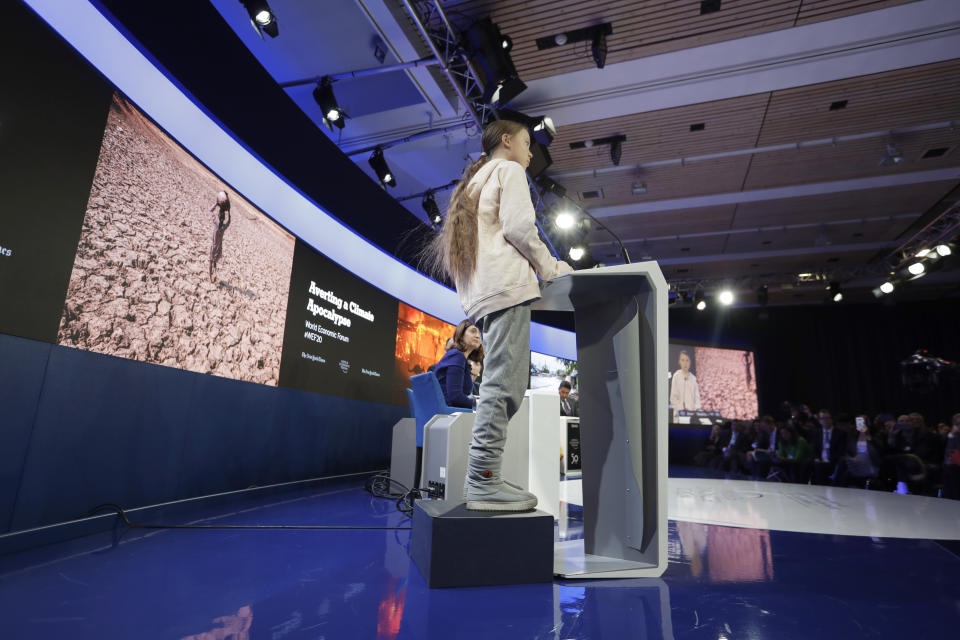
(865, 463)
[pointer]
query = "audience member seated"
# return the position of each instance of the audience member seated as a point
(452, 373)
(901, 465)
(794, 455)
(764, 447)
(951, 461)
(829, 444)
(568, 405)
(733, 453)
(864, 465)
(705, 457)
(476, 371)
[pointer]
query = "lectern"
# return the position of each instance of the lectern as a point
(621, 327)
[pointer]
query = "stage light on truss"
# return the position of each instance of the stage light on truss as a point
(922, 253)
(262, 17)
(379, 165)
(726, 297)
(943, 250)
(916, 268)
(836, 294)
(327, 101)
(506, 90)
(544, 131)
(886, 287)
(576, 253)
(564, 220)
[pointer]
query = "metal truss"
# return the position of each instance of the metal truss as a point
(444, 42)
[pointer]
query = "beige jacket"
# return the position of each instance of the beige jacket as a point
(510, 254)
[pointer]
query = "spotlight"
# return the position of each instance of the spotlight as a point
(599, 48)
(564, 220)
(433, 211)
(489, 50)
(894, 156)
(944, 250)
(922, 253)
(379, 165)
(323, 96)
(835, 293)
(507, 90)
(262, 17)
(576, 253)
(916, 268)
(763, 296)
(726, 297)
(887, 287)
(616, 150)
(698, 300)
(804, 276)
(544, 131)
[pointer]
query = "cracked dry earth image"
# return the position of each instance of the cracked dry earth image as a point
(140, 286)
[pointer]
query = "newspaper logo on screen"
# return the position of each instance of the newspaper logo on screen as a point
(344, 366)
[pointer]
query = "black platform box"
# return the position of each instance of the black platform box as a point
(454, 547)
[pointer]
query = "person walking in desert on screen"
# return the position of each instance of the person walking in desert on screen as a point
(221, 220)
(684, 390)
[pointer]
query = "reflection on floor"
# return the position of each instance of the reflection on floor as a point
(722, 582)
(804, 508)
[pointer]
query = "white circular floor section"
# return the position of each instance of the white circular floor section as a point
(803, 508)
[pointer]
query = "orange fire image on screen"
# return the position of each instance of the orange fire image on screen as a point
(420, 339)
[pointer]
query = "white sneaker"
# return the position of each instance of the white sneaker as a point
(499, 497)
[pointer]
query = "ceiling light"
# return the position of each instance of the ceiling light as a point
(564, 220)
(262, 17)
(379, 165)
(433, 211)
(804, 275)
(894, 156)
(835, 293)
(560, 39)
(323, 96)
(887, 287)
(506, 43)
(944, 250)
(701, 305)
(576, 253)
(916, 268)
(698, 299)
(616, 151)
(726, 297)
(922, 253)
(544, 131)
(599, 47)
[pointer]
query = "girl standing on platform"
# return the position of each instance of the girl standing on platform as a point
(490, 249)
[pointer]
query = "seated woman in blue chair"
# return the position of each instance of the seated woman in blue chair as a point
(454, 369)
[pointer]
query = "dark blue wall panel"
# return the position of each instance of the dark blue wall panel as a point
(94, 429)
(22, 364)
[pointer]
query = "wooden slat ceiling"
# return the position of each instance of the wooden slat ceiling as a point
(640, 28)
(912, 96)
(909, 97)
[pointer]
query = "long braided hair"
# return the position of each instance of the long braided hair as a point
(453, 251)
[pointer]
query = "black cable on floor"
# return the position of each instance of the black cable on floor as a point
(381, 485)
(133, 525)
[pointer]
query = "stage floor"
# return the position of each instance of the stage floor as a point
(738, 581)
